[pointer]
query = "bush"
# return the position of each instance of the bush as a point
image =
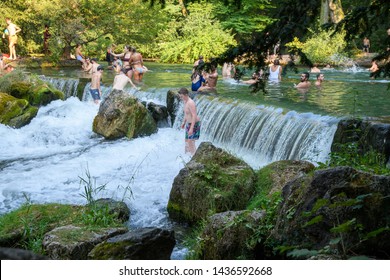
(322, 47)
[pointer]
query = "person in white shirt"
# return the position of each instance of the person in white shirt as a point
(275, 71)
(12, 37)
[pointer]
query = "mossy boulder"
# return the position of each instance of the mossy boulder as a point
(213, 181)
(121, 115)
(29, 87)
(74, 242)
(138, 244)
(273, 177)
(231, 235)
(43, 94)
(342, 211)
(15, 112)
(118, 209)
(87, 225)
(38, 219)
(368, 135)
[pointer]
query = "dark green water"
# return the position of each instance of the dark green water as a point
(345, 92)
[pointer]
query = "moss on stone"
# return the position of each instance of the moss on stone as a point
(15, 112)
(105, 250)
(31, 221)
(43, 94)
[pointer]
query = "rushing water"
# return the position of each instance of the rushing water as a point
(45, 160)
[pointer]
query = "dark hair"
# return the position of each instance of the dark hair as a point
(307, 75)
(318, 75)
(99, 68)
(276, 62)
(183, 91)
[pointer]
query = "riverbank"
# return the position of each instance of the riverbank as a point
(45, 62)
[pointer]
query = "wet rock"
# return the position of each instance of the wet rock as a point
(138, 244)
(121, 115)
(15, 112)
(213, 181)
(342, 209)
(74, 243)
(231, 235)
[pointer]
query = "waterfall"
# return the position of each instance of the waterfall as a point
(258, 134)
(261, 135)
(67, 86)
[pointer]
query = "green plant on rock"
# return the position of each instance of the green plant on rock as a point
(347, 232)
(350, 154)
(94, 214)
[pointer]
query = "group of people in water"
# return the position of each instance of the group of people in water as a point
(128, 65)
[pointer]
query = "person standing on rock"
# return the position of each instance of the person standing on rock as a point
(191, 122)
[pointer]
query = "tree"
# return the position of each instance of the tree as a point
(187, 37)
(331, 11)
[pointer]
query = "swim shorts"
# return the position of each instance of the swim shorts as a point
(196, 133)
(95, 94)
(13, 39)
(79, 57)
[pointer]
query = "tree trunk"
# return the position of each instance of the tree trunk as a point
(331, 11)
(336, 11)
(324, 14)
(66, 52)
(183, 8)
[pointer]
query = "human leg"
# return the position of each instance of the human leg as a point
(190, 146)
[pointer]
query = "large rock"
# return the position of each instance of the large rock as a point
(273, 177)
(118, 209)
(231, 235)
(138, 244)
(19, 254)
(37, 94)
(369, 135)
(74, 243)
(213, 181)
(123, 115)
(342, 209)
(173, 101)
(15, 112)
(159, 114)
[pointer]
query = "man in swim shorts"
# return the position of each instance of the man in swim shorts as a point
(191, 122)
(95, 85)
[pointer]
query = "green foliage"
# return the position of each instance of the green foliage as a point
(94, 214)
(29, 223)
(197, 34)
(350, 154)
(322, 46)
(245, 17)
